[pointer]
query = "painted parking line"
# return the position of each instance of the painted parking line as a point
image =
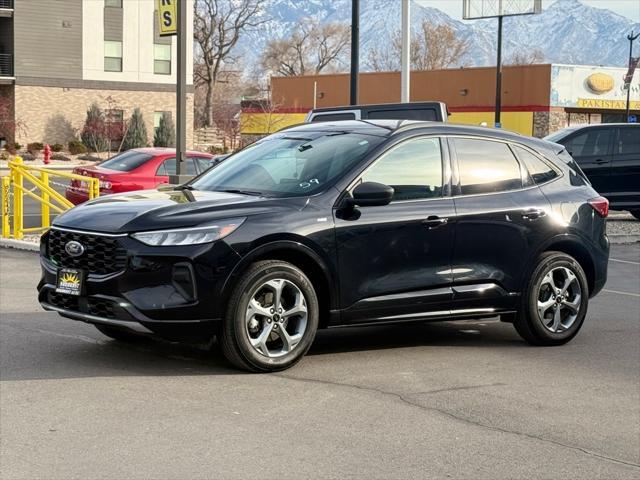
(624, 261)
(622, 293)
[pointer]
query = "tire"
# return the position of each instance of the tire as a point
(541, 295)
(635, 213)
(251, 334)
(117, 333)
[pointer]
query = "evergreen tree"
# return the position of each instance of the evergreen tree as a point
(94, 135)
(165, 135)
(136, 135)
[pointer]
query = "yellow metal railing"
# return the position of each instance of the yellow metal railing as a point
(38, 178)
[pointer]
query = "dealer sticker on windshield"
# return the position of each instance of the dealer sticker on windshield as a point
(70, 281)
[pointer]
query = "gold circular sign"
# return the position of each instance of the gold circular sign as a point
(600, 83)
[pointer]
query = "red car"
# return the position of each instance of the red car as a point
(135, 169)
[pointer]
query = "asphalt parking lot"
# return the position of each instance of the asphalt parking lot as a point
(449, 400)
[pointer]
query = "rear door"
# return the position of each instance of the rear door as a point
(591, 148)
(502, 217)
(624, 190)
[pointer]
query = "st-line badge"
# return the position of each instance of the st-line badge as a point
(69, 281)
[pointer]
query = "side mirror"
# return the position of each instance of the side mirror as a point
(371, 194)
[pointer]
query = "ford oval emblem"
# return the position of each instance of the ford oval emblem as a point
(74, 249)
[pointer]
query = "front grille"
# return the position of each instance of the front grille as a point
(61, 300)
(102, 255)
(101, 308)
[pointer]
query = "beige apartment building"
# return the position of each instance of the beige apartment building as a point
(57, 57)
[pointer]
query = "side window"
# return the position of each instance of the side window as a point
(590, 143)
(413, 169)
(486, 167)
(169, 167)
(538, 170)
(333, 117)
(628, 141)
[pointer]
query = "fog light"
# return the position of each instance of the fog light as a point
(183, 281)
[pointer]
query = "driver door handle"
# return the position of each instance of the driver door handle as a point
(600, 161)
(533, 213)
(433, 221)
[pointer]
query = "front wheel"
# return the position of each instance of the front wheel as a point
(554, 304)
(271, 318)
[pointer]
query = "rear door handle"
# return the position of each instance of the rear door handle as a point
(600, 161)
(533, 213)
(433, 221)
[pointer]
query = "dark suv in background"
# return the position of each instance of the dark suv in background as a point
(609, 154)
(339, 224)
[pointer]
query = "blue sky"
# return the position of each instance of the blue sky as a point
(626, 8)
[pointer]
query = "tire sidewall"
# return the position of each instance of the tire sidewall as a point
(535, 323)
(237, 316)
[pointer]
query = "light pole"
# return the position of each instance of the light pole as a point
(497, 122)
(631, 37)
(355, 50)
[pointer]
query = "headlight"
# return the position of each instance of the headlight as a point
(189, 236)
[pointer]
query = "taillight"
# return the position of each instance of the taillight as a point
(600, 205)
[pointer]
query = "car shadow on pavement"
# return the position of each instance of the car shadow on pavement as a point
(52, 354)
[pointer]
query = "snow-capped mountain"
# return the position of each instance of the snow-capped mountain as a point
(568, 31)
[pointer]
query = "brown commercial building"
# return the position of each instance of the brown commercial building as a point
(536, 99)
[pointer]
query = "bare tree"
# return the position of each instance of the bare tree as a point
(218, 25)
(435, 47)
(530, 57)
(310, 49)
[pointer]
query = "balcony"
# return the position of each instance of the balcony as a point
(6, 65)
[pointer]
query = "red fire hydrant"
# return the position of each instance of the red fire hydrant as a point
(47, 154)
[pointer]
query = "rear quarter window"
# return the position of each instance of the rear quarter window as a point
(539, 171)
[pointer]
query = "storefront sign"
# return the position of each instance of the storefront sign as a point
(591, 88)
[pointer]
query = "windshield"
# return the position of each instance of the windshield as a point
(127, 161)
(289, 164)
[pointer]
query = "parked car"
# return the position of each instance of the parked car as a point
(339, 224)
(427, 111)
(609, 154)
(136, 169)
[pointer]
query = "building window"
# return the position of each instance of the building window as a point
(113, 3)
(162, 59)
(112, 56)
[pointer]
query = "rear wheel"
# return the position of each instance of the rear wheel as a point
(555, 301)
(117, 333)
(271, 319)
(635, 213)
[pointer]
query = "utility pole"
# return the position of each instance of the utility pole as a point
(405, 75)
(181, 93)
(627, 82)
(355, 50)
(497, 122)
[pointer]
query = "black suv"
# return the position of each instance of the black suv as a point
(335, 224)
(609, 154)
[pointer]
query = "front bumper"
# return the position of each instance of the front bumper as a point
(172, 291)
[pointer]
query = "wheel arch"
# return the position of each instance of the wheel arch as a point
(571, 246)
(303, 257)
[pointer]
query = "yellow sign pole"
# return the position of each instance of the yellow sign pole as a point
(6, 207)
(18, 197)
(45, 211)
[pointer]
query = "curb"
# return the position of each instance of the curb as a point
(622, 238)
(19, 245)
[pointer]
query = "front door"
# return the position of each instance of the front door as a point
(394, 260)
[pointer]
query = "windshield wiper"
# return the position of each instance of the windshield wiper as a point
(242, 192)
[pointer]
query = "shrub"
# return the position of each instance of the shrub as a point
(76, 147)
(34, 147)
(12, 148)
(215, 150)
(165, 134)
(56, 147)
(136, 135)
(94, 134)
(60, 156)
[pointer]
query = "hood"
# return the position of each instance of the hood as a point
(158, 210)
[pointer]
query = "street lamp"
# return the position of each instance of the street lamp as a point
(633, 62)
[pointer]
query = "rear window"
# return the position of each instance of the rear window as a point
(127, 161)
(628, 141)
(333, 117)
(426, 114)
